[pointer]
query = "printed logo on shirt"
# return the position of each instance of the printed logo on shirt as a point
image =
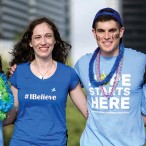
(53, 90)
(114, 104)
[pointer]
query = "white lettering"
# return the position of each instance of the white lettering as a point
(119, 90)
(91, 90)
(40, 97)
(126, 91)
(33, 96)
(94, 102)
(103, 103)
(125, 103)
(112, 103)
(126, 80)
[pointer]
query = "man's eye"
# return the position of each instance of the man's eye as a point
(100, 30)
(113, 30)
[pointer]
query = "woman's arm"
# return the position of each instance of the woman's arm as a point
(78, 97)
(11, 115)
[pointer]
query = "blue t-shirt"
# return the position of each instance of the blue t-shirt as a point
(41, 119)
(1, 134)
(116, 121)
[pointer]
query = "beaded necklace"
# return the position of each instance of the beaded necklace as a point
(116, 78)
(116, 68)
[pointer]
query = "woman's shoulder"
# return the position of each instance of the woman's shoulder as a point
(22, 66)
(65, 67)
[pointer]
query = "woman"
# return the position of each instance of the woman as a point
(40, 85)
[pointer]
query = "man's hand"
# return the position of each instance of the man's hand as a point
(12, 69)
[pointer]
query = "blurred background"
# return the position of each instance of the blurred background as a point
(74, 20)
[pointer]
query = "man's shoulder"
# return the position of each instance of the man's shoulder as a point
(83, 62)
(134, 52)
(85, 57)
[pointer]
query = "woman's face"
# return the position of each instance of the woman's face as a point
(42, 40)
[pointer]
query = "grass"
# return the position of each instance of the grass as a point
(75, 126)
(7, 133)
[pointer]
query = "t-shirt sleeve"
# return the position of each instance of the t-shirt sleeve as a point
(13, 80)
(77, 69)
(143, 105)
(74, 80)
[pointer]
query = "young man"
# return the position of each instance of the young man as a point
(113, 79)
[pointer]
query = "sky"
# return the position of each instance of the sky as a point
(82, 15)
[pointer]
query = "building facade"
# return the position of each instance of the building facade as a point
(134, 17)
(16, 14)
(133, 13)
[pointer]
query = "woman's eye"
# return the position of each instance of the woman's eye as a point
(36, 38)
(48, 36)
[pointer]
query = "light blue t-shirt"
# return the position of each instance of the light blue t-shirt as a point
(116, 121)
(143, 105)
(41, 119)
(144, 100)
(144, 90)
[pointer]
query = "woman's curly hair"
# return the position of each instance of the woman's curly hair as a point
(22, 51)
(1, 66)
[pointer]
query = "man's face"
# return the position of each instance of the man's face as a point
(107, 35)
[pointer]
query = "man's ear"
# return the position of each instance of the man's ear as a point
(94, 34)
(122, 30)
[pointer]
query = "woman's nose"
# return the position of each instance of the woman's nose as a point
(43, 41)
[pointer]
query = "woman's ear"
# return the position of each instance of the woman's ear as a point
(30, 44)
